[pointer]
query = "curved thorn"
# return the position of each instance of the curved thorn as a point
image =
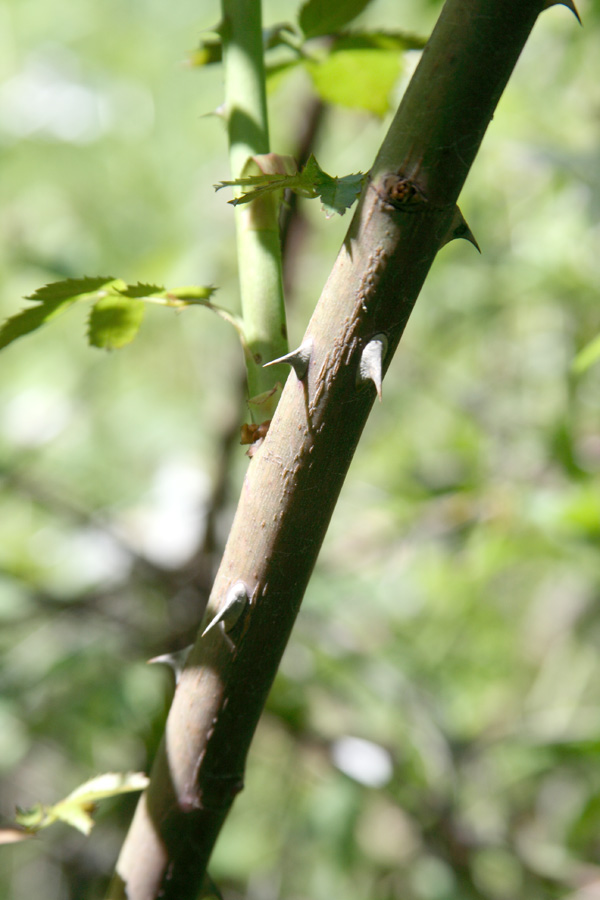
(236, 600)
(298, 359)
(458, 228)
(568, 3)
(176, 661)
(370, 367)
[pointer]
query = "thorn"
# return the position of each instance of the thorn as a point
(371, 360)
(458, 228)
(176, 661)
(568, 3)
(236, 600)
(297, 359)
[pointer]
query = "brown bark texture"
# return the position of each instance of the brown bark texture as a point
(407, 211)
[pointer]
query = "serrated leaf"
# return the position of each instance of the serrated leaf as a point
(317, 18)
(337, 194)
(142, 290)
(72, 288)
(31, 319)
(587, 357)
(359, 78)
(114, 321)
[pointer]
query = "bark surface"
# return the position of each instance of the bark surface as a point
(406, 213)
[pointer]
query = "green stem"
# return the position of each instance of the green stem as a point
(257, 224)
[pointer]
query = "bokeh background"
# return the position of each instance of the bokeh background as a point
(434, 731)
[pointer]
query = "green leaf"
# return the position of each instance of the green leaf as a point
(191, 293)
(115, 318)
(337, 194)
(31, 319)
(114, 321)
(73, 288)
(210, 49)
(208, 52)
(142, 290)
(53, 299)
(317, 18)
(360, 78)
(76, 809)
(587, 357)
(400, 41)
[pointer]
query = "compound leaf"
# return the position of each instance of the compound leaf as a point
(337, 194)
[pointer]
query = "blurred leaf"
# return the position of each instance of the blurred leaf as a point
(53, 299)
(337, 194)
(77, 807)
(587, 357)
(360, 78)
(210, 49)
(31, 319)
(317, 18)
(114, 321)
(141, 290)
(400, 41)
(73, 288)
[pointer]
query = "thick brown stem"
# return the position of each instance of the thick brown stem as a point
(293, 482)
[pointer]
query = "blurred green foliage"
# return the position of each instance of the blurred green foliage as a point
(434, 732)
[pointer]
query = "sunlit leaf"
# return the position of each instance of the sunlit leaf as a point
(76, 809)
(191, 293)
(317, 18)
(337, 194)
(357, 78)
(114, 321)
(588, 356)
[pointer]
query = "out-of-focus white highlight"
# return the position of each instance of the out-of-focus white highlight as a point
(364, 761)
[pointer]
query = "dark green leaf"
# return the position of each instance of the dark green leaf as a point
(141, 290)
(114, 321)
(208, 51)
(317, 18)
(71, 288)
(31, 319)
(379, 40)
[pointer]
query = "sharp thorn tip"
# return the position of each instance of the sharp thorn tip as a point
(298, 359)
